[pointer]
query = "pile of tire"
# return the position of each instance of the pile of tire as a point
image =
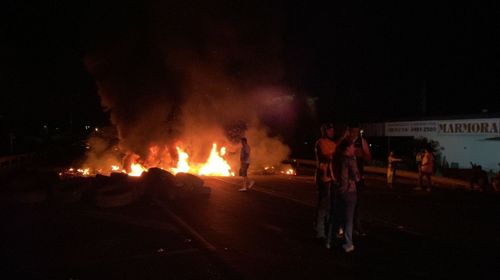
(163, 185)
(69, 190)
(117, 190)
(191, 184)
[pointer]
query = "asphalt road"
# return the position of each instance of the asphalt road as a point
(265, 233)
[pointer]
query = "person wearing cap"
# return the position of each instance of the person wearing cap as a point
(324, 149)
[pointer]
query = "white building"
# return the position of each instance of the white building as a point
(462, 141)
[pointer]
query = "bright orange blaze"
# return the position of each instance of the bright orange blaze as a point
(216, 165)
(136, 169)
(84, 171)
(290, 172)
(182, 163)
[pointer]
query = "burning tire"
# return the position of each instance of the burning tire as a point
(117, 196)
(120, 190)
(69, 189)
(189, 181)
(191, 185)
(160, 184)
(72, 195)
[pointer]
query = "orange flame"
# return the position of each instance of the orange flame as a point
(216, 165)
(136, 169)
(290, 171)
(182, 164)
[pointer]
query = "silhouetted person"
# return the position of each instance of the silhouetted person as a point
(479, 180)
(418, 159)
(324, 150)
(347, 174)
(392, 161)
(363, 156)
(244, 164)
(495, 182)
(426, 170)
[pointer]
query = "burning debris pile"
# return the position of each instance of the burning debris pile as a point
(113, 190)
(196, 155)
(109, 159)
(283, 169)
(109, 177)
(120, 189)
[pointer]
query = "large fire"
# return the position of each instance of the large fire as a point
(215, 165)
(182, 163)
(136, 169)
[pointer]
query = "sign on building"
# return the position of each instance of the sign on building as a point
(462, 142)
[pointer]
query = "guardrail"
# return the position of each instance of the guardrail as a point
(15, 160)
(401, 173)
(414, 175)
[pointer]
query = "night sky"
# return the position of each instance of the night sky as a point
(363, 61)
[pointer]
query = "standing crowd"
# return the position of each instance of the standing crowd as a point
(340, 180)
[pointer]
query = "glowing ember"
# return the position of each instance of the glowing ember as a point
(70, 172)
(115, 167)
(84, 171)
(216, 165)
(290, 172)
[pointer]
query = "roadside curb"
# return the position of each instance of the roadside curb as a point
(444, 181)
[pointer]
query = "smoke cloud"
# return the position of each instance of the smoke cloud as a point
(183, 77)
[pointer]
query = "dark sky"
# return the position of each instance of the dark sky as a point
(367, 61)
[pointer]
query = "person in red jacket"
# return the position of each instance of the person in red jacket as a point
(324, 149)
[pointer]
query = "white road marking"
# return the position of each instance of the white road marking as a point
(272, 193)
(185, 226)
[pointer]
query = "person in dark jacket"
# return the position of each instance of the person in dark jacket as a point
(363, 156)
(348, 176)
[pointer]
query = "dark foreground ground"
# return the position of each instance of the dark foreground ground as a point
(265, 233)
